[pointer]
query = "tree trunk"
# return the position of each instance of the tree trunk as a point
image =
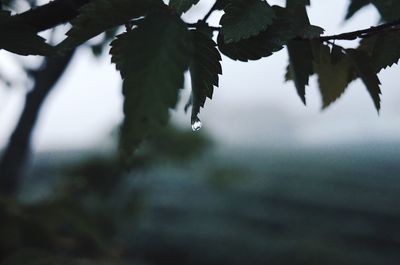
(16, 152)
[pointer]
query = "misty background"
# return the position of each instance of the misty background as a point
(267, 180)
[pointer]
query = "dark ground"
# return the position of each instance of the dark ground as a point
(235, 206)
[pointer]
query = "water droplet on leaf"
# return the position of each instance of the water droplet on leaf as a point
(196, 124)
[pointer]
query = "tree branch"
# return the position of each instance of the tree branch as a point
(16, 152)
(213, 8)
(197, 24)
(52, 14)
(394, 25)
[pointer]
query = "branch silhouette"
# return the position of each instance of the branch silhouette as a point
(363, 33)
(52, 14)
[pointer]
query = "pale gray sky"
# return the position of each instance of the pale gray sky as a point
(252, 106)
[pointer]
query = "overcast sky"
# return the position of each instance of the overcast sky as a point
(252, 106)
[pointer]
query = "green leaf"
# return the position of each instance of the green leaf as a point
(19, 38)
(300, 65)
(204, 69)
(364, 68)
(299, 18)
(383, 48)
(267, 42)
(332, 76)
(221, 4)
(245, 18)
(152, 59)
(386, 51)
(181, 6)
(204, 28)
(301, 23)
(100, 15)
(355, 6)
(288, 74)
(367, 44)
(300, 51)
(336, 54)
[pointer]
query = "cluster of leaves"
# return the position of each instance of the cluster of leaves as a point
(158, 47)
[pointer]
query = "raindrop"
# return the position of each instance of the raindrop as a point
(196, 124)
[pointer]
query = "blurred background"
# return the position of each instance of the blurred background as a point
(266, 180)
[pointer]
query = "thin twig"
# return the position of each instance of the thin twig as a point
(213, 8)
(364, 32)
(195, 25)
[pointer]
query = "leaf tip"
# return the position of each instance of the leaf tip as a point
(303, 99)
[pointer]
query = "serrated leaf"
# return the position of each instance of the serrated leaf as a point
(300, 51)
(383, 48)
(288, 74)
(367, 46)
(300, 65)
(245, 18)
(181, 6)
(19, 38)
(362, 63)
(355, 6)
(267, 42)
(100, 15)
(152, 59)
(332, 76)
(204, 69)
(386, 50)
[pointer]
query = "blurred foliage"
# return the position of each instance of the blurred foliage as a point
(50, 232)
(102, 175)
(200, 206)
(83, 215)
